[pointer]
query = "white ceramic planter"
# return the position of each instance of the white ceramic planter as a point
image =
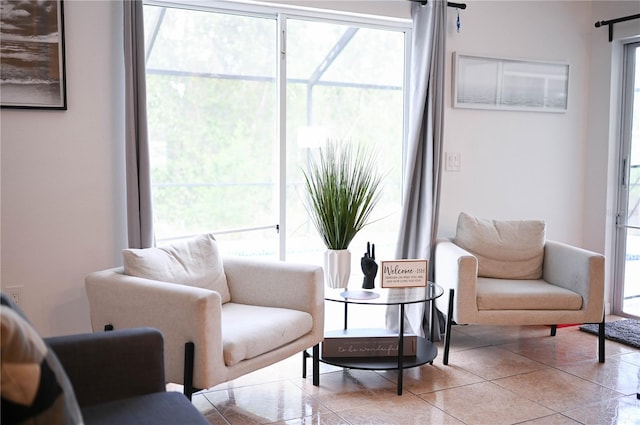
(337, 268)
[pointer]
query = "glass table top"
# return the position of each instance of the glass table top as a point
(384, 296)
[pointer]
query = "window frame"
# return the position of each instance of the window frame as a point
(282, 14)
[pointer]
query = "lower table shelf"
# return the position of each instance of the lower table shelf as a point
(426, 352)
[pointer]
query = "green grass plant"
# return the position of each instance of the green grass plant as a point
(343, 187)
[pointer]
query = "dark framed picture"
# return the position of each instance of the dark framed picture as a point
(32, 59)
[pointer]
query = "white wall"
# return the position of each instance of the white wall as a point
(521, 165)
(62, 177)
(62, 199)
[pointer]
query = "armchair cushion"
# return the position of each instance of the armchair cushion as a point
(505, 294)
(269, 329)
(507, 249)
(168, 408)
(194, 262)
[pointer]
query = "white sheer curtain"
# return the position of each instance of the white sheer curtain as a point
(419, 221)
(138, 182)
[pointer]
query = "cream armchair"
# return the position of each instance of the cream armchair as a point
(266, 311)
(505, 273)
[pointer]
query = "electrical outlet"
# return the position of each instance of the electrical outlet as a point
(15, 293)
(452, 161)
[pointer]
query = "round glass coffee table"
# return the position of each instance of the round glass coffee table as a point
(425, 350)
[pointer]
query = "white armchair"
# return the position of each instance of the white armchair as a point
(505, 273)
(271, 311)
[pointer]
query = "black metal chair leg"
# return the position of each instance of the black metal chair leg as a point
(447, 335)
(316, 365)
(554, 328)
(601, 341)
(304, 363)
(189, 353)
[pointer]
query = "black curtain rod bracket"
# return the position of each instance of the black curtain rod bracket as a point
(611, 22)
(457, 5)
(450, 4)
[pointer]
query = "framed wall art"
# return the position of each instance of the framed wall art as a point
(509, 84)
(32, 57)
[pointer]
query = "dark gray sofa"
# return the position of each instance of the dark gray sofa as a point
(118, 378)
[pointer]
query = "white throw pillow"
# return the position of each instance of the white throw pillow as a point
(507, 249)
(195, 262)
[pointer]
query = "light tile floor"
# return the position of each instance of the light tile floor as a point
(496, 375)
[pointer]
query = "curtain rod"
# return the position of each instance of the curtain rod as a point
(610, 23)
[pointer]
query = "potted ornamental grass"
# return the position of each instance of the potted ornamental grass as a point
(343, 186)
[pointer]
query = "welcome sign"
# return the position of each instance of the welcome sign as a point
(404, 273)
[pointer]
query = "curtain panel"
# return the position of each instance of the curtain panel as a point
(421, 196)
(138, 177)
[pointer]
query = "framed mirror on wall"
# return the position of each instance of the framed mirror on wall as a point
(509, 84)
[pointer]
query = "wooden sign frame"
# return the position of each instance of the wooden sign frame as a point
(403, 273)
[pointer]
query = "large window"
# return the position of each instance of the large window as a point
(239, 101)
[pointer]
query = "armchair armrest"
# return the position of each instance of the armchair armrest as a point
(457, 269)
(109, 366)
(578, 270)
(182, 313)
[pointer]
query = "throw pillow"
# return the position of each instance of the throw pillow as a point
(35, 389)
(505, 249)
(195, 262)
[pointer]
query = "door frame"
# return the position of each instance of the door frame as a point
(632, 47)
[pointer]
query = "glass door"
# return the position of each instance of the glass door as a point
(627, 280)
(211, 100)
(345, 82)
